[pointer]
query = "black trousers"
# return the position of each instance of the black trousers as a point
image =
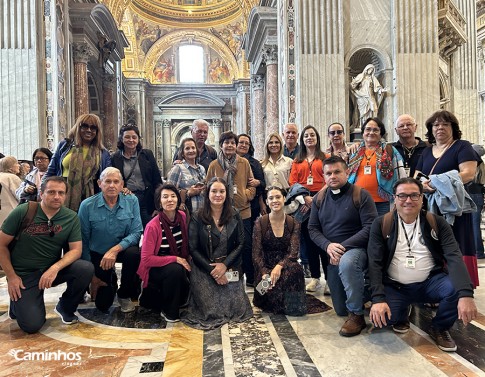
(167, 290)
(130, 258)
(30, 308)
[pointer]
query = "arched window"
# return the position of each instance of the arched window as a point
(191, 62)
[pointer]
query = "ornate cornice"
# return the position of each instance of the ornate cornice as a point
(82, 52)
(270, 54)
(451, 25)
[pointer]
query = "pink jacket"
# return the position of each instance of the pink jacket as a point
(152, 239)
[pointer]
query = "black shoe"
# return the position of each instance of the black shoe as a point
(169, 319)
(66, 318)
(443, 339)
(401, 328)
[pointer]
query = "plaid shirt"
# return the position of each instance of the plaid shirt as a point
(183, 176)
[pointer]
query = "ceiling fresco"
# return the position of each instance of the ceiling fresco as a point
(155, 28)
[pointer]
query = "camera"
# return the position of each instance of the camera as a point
(264, 285)
(232, 276)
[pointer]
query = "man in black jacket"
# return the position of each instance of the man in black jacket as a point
(414, 258)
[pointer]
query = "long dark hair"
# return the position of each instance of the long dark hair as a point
(302, 153)
(46, 151)
(129, 127)
(446, 116)
(205, 213)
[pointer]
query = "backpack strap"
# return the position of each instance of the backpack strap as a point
(321, 197)
(26, 221)
(386, 224)
(357, 196)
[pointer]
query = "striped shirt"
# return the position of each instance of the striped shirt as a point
(165, 247)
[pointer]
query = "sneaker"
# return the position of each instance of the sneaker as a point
(401, 328)
(312, 285)
(168, 319)
(443, 339)
(326, 290)
(126, 305)
(353, 325)
(66, 318)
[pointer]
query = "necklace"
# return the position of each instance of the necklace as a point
(409, 151)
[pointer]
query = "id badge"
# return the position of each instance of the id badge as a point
(367, 170)
(410, 261)
(309, 180)
(407, 170)
(234, 190)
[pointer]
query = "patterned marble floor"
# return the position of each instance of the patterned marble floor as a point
(143, 344)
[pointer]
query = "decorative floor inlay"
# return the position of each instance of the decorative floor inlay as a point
(253, 351)
(213, 356)
(141, 318)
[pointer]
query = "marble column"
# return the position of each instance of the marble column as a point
(109, 130)
(216, 128)
(257, 115)
(167, 150)
(81, 53)
(270, 57)
(242, 116)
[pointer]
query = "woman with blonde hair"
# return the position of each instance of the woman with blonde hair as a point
(9, 183)
(80, 159)
(276, 166)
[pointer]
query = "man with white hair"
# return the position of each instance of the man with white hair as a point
(111, 229)
(409, 146)
(199, 132)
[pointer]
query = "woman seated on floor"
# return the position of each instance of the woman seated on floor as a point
(275, 257)
(216, 237)
(164, 268)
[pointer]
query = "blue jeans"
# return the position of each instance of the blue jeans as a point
(437, 288)
(346, 282)
(477, 219)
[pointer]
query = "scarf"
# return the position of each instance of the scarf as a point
(383, 161)
(82, 171)
(166, 223)
(229, 165)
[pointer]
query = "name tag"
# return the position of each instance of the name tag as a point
(309, 180)
(410, 262)
(367, 170)
(234, 190)
(407, 170)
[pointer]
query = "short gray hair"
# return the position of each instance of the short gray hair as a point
(108, 171)
(199, 122)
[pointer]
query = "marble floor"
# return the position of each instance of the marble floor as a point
(143, 344)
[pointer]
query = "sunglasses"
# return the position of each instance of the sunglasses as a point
(92, 128)
(50, 224)
(337, 132)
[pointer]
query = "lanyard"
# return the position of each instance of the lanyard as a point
(406, 234)
(368, 158)
(310, 165)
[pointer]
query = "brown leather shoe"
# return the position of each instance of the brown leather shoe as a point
(443, 339)
(353, 325)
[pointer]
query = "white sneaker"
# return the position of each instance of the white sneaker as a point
(312, 285)
(126, 304)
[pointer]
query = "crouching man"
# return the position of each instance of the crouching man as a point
(111, 230)
(414, 258)
(34, 261)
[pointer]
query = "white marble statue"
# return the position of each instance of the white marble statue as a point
(368, 94)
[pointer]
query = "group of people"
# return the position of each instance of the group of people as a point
(219, 222)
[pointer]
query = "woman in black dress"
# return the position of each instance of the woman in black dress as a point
(275, 256)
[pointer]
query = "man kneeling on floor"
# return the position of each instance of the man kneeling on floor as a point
(340, 221)
(31, 243)
(414, 258)
(111, 229)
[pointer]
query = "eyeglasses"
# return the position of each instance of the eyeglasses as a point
(403, 197)
(90, 127)
(407, 125)
(336, 132)
(372, 130)
(244, 143)
(50, 224)
(40, 159)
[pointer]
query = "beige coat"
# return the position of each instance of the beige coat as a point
(245, 193)
(8, 201)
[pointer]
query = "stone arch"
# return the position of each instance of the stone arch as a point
(178, 37)
(182, 130)
(104, 20)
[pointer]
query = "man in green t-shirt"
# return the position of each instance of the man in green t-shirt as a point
(36, 262)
